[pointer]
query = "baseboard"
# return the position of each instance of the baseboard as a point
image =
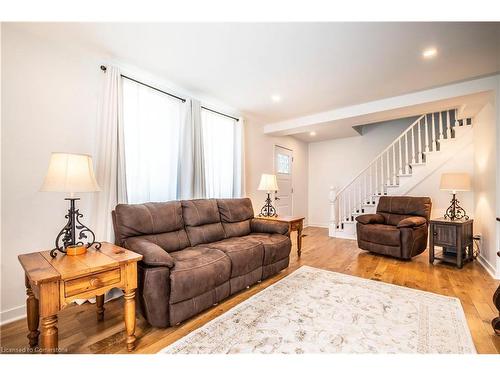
(13, 314)
(487, 266)
(318, 225)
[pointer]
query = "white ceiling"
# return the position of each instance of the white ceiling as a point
(313, 66)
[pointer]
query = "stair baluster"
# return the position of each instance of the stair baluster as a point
(382, 181)
(400, 157)
(434, 144)
(419, 155)
(407, 166)
(394, 170)
(412, 146)
(448, 125)
(426, 135)
(440, 126)
(388, 169)
(456, 118)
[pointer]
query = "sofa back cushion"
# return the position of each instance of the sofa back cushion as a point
(161, 223)
(395, 209)
(202, 220)
(235, 215)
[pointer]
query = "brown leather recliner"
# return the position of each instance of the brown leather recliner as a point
(197, 253)
(398, 229)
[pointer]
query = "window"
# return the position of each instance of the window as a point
(151, 124)
(283, 164)
(222, 155)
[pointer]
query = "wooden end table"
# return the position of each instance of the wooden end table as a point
(53, 283)
(455, 237)
(294, 223)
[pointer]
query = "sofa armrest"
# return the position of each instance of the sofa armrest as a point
(412, 221)
(370, 219)
(153, 255)
(268, 226)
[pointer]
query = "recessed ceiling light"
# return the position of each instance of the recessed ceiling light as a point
(312, 134)
(429, 52)
(276, 98)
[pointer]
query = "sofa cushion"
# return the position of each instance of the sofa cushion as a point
(394, 209)
(245, 255)
(276, 246)
(202, 220)
(160, 223)
(196, 271)
(381, 234)
(235, 215)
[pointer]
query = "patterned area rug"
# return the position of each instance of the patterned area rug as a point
(318, 311)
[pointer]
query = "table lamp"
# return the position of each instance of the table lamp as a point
(268, 183)
(455, 182)
(72, 173)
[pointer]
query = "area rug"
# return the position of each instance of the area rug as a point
(318, 311)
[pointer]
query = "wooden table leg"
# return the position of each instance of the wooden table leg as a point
(100, 307)
(49, 307)
(130, 318)
(299, 239)
(49, 336)
(33, 315)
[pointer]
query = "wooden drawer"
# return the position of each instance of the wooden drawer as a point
(91, 282)
(444, 235)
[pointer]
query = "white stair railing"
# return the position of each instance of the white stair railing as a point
(387, 167)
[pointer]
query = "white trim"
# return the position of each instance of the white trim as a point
(318, 225)
(487, 266)
(12, 314)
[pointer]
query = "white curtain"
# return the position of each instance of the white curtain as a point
(110, 161)
(191, 166)
(239, 157)
(222, 151)
(152, 124)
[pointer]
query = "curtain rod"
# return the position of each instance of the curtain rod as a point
(103, 68)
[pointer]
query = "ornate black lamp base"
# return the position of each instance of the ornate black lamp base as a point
(268, 210)
(73, 228)
(455, 212)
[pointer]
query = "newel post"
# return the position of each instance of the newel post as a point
(332, 197)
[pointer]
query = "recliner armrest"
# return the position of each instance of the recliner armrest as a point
(370, 219)
(413, 221)
(153, 255)
(268, 226)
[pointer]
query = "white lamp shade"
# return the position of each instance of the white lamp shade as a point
(455, 182)
(268, 182)
(70, 173)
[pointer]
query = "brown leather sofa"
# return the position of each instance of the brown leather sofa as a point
(197, 253)
(398, 229)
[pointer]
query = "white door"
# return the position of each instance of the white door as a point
(283, 159)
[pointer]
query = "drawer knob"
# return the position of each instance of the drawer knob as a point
(435, 234)
(96, 283)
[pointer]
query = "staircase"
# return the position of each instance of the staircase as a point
(424, 146)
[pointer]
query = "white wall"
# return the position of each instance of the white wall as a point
(485, 182)
(50, 98)
(259, 156)
(336, 162)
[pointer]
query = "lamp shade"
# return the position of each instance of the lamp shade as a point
(268, 182)
(455, 182)
(70, 173)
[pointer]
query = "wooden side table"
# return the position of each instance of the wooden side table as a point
(53, 283)
(294, 223)
(455, 237)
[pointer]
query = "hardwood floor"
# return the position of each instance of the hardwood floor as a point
(80, 332)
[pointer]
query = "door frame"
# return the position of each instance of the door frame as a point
(291, 178)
